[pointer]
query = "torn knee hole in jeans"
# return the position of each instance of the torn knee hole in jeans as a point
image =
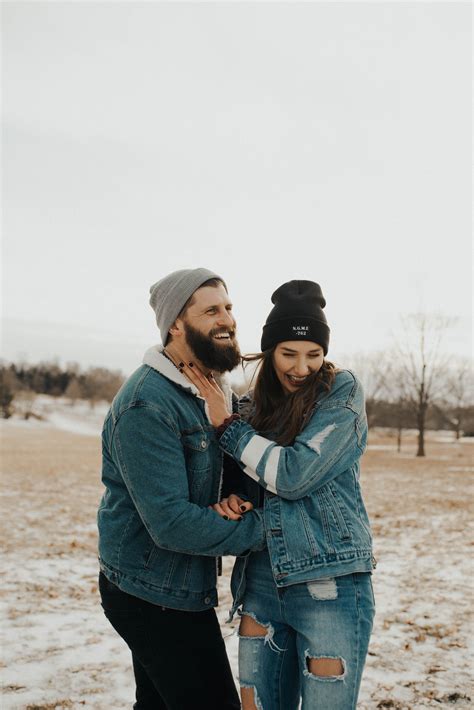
(324, 668)
(256, 631)
(256, 700)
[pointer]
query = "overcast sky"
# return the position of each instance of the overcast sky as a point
(266, 141)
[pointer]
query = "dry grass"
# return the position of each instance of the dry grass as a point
(51, 489)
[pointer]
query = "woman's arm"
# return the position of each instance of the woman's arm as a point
(332, 441)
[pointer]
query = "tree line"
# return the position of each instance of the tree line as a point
(21, 383)
(413, 385)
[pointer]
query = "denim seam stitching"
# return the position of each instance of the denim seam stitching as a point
(125, 530)
(281, 666)
(355, 675)
(307, 528)
(144, 404)
(335, 508)
(325, 521)
(171, 568)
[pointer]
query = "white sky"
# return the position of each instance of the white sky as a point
(266, 141)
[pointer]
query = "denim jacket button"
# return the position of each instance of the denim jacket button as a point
(207, 600)
(203, 444)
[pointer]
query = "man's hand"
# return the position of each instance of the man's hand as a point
(233, 507)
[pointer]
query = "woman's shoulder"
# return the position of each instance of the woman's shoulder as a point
(343, 376)
(345, 388)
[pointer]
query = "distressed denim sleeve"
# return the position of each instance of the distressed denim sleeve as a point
(332, 442)
(151, 461)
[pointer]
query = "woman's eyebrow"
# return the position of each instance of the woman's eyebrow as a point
(310, 352)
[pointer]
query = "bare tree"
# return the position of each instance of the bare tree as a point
(392, 392)
(24, 403)
(73, 391)
(423, 378)
(101, 384)
(459, 393)
(9, 385)
(373, 369)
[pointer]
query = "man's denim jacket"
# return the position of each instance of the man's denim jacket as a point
(315, 519)
(162, 465)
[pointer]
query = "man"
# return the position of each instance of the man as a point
(158, 538)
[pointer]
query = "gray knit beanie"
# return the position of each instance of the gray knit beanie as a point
(168, 296)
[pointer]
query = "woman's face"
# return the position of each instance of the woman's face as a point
(294, 361)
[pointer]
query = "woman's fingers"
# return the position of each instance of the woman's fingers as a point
(208, 381)
(223, 509)
(218, 508)
(233, 502)
(210, 391)
(245, 506)
(213, 383)
(231, 514)
(239, 505)
(197, 378)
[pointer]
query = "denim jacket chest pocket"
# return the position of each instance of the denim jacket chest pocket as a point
(197, 447)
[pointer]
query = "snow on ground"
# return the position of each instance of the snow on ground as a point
(60, 652)
(79, 417)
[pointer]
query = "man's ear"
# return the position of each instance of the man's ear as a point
(177, 329)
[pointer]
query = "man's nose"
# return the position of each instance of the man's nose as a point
(227, 319)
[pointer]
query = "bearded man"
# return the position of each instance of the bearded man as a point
(158, 538)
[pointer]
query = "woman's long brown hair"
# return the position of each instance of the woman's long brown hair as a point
(280, 415)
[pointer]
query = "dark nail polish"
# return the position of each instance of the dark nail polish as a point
(226, 517)
(181, 369)
(181, 364)
(242, 508)
(190, 364)
(239, 519)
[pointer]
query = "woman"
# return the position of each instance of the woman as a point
(307, 603)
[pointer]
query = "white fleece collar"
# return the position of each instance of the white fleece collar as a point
(154, 358)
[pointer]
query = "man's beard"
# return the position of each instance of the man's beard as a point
(221, 358)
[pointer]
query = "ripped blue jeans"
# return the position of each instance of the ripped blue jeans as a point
(329, 618)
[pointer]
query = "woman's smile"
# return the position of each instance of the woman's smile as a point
(294, 361)
(296, 381)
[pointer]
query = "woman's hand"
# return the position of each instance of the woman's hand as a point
(233, 507)
(211, 392)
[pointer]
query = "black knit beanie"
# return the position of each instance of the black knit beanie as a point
(297, 315)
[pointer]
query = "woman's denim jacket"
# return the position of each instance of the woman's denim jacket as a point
(315, 519)
(162, 464)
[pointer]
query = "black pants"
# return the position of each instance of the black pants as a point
(179, 657)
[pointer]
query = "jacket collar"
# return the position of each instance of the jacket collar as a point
(154, 358)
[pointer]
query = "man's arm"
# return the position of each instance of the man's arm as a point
(151, 460)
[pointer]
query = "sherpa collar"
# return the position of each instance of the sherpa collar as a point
(154, 358)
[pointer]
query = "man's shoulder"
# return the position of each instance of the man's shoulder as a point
(145, 386)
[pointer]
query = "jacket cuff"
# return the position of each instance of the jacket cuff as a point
(229, 440)
(226, 423)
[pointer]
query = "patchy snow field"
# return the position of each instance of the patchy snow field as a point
(60, 652)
